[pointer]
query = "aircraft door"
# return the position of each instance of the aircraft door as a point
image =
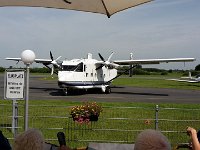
(91, 74)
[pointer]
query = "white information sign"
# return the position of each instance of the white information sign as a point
(14, 85)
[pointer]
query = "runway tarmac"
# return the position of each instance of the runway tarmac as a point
(48, 90)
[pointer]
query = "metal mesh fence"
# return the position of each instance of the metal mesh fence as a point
(114, 125)
(174, 121)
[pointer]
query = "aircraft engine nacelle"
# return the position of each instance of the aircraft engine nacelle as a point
(113, 65)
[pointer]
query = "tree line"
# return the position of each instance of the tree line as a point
(138, 70)
(32, 70)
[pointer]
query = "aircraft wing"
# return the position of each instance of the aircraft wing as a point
(15, 59)
(152, 61)
(42, 61)
(180, 80)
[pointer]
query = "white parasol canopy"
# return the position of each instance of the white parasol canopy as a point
(107, 7)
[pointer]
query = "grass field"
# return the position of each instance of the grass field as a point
(172, 116)
(119, 121)
(154, 81)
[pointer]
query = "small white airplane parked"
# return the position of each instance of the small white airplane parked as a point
(91, 73)
(189, 79)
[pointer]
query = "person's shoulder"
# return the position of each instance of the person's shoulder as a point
(4, 143)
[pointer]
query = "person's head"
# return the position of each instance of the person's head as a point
(31, 139)
(151, 140)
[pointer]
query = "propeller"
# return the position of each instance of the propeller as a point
(107, 63)
(101, 57)
(52, 70)
(51, 56)
(110, 56)
(54, 62)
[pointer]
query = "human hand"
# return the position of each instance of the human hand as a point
(191, 131)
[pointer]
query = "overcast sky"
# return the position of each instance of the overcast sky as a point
(159, 29)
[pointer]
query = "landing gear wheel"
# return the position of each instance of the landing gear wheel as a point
(66, 91)
(108, 90)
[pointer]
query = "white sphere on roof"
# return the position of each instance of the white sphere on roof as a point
(28, 56)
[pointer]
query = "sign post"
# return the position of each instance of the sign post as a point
(14, 86)
(14, 90)
(28, 57)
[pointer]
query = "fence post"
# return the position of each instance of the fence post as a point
(156, 117)
(15, 117)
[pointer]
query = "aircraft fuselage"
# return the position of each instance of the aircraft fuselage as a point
(83, 74)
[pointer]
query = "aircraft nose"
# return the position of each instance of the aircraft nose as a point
(65, 77)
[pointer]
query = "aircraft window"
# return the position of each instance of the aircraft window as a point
(197, 76)
(69, 67)
(84, 67)
(77, 68)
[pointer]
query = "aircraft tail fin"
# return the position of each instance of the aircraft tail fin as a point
(190, 75)
(89, 56)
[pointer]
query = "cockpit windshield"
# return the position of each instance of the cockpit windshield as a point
(198, 76)
(77, 68)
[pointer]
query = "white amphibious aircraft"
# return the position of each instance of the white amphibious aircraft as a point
(189, 79)
(90, 73)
